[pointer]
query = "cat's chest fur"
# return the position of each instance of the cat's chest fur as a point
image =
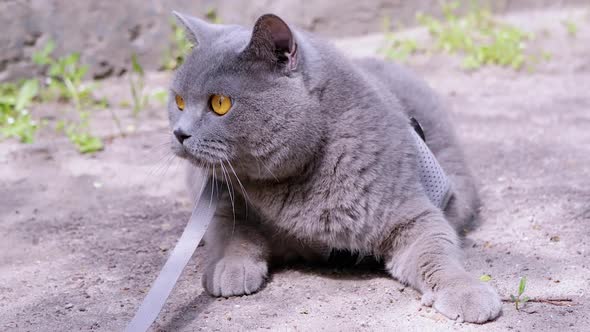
(342, 200)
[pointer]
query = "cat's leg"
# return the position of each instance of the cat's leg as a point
(237, 253)
(425, 253)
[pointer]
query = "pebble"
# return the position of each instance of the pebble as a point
(69, 306)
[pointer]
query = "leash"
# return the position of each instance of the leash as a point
(187, 244)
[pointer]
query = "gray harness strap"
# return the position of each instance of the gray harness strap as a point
(432, 176)
(187, 244)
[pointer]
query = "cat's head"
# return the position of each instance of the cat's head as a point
(242, 96)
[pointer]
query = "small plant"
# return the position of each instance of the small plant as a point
(520, 300)
(64, 77)
(84, 141)
(485, 277)
(174, 57)
(212, 16)
(481, 39)
(477, 36)
(571, 27)
(399, 49)
(64, 83)
(15, 119)
(137, 83)
(140, 100)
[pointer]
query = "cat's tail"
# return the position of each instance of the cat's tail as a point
(463, 207)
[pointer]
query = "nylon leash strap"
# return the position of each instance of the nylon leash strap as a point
(187, 244)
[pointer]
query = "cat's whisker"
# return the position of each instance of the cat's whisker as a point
(157, 156)
(230, 192)
(228, 183)
(177, 163)
(212, 187)
(159, 147)
(172, 160)
(215, 181)
(239, 182)
(203, 182)
(160, 164)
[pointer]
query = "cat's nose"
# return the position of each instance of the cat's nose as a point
(180, 135)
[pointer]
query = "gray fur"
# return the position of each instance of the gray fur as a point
(315, 155)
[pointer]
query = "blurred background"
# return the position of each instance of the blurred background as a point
(106, 33)
(92, 200)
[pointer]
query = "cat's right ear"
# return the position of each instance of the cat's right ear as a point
(272, 40)
(198, 31)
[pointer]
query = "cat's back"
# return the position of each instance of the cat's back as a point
(418, 100)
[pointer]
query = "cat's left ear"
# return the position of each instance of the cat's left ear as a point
(272, 40)
(198, 31)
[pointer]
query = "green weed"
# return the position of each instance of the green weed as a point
(180, 47)
(485, 277)
(571, 27)
(519, 299)
(64, 77)
(64, 83)
(140, 99)
(399, 49)
(476, 36)
(481, 39)
(78, 133)
(15, 119)
(212, 16)
(137, 83)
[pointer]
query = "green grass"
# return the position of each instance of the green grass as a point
(485, 277)
(571, 28)
(519, 300)
(180, 47)
(399, 49)
(64, 77)
(15, 118)
(64, 83)
(139, 98)
(476, 37)
(212, 16)
(136, 84)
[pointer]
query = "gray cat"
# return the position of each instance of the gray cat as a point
(316, 153)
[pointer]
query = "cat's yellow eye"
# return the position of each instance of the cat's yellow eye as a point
(179, 102)
(220, 104)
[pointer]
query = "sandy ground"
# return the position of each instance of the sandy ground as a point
(83, 237)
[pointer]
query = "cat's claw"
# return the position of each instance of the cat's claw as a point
(474, 302)
(235, 276)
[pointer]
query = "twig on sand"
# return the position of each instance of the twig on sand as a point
(559, 301)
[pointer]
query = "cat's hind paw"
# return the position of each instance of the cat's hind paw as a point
(235, 276)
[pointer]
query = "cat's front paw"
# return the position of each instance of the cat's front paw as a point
(472, 301)
(235, 276)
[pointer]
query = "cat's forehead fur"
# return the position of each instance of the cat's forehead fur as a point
(211, 60)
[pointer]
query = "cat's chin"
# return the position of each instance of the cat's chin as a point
(201, 163)
(197, 161)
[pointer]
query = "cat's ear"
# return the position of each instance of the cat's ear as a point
(272, 40)
(198, 31)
